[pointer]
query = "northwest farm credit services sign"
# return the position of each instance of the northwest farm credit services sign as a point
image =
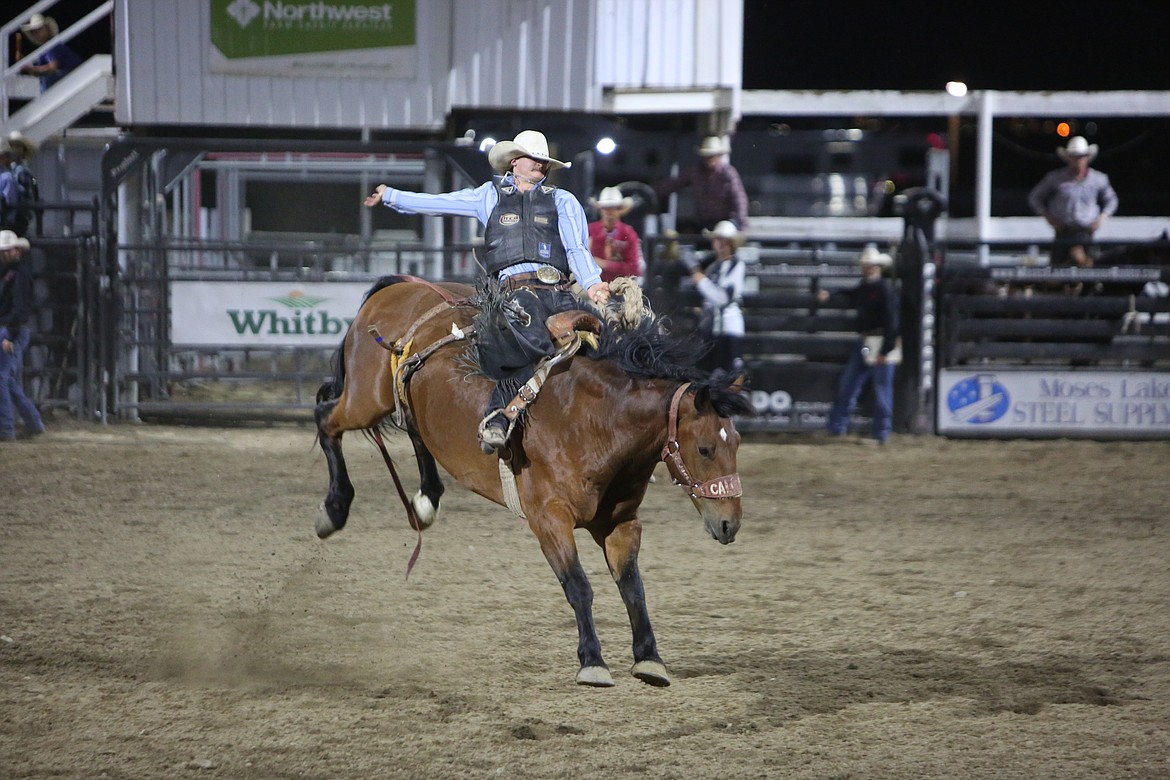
(263, 314)
(375, 38)
(1054, 403)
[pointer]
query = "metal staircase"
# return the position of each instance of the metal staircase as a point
(80, 92)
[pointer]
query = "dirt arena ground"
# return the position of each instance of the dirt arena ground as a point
(937, 609)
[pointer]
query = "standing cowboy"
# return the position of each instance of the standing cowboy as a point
(16, 310)
(874, 355)
(536, 243)
(721, 285)
(1075, 200)
(717, 188)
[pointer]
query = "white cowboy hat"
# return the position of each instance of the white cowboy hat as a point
(725, 229)
(529, 143)
(21, 145)
(9, 240)
(37, 21)
(714, 145)
(1078, 147)
(611, 198)
(871, 256)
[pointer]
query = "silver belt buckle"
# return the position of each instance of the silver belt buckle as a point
(548, 274)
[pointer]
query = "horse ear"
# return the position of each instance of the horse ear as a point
(702, 397)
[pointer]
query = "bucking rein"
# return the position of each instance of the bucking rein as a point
(568, 330)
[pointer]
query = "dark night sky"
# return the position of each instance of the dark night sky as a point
(909, 44)
(913, 44)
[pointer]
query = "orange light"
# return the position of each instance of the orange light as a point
(1062, 129)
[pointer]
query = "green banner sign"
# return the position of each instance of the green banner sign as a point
(242, 29)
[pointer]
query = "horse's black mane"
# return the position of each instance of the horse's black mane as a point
(649, 350)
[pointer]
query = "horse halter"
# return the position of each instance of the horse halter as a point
(727, 486)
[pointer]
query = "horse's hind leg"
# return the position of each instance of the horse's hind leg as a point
(426, 500)
(621, 547)
(335, 508)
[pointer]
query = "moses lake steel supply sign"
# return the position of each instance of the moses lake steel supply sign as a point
(263, 314)
(1054, 403)
(375, 38)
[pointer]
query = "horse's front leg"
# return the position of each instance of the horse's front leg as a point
(560, 550)
(335, 509)
(621, 547)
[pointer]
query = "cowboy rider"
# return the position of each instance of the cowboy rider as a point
(536, 242)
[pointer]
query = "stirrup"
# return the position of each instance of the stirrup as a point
(493, 435)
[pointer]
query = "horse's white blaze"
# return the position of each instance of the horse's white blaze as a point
(723, 434)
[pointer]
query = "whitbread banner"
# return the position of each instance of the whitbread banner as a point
(263, 314)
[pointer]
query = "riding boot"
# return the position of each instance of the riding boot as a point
(493, 429)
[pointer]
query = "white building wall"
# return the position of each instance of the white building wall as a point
(557, 55)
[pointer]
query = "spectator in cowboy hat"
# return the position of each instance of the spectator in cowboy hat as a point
(536, 239)
(1075, 200)
(615, 245)
(716, 187)
(721, 324)
(27, 191)
(53, 64)
(16, 308)
(9, 193)
(873, 357)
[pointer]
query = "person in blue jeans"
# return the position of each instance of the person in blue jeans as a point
(874, 355)
(16, 302)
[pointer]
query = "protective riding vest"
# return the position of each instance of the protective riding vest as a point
(523, 228)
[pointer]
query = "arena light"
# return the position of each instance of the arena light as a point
(606, 145)
(1062, 129)
(956, 88)
(487, 143)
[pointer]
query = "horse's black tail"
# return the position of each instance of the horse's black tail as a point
(331, 388)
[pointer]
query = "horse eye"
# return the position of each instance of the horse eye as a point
(707, 452)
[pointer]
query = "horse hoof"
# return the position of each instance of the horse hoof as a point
(597, 676)
(651, 673)
(426, 513)
(324, 525)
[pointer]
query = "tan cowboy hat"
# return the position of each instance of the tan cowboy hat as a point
(529, 143)
(37, 21)
(9, 240)
(714, 145)
(1078, 147)
(21, 145)
(611, 198)
(725, 229)
(871, 256)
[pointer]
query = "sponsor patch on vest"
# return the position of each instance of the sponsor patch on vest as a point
(509, 219)
(544, 249)
(540, 220)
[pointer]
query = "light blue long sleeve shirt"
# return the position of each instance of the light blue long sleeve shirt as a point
(481, 201)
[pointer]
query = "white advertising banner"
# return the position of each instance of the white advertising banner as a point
(263, 314)
(1065, 403)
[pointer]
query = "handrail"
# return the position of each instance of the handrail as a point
(78, 27)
